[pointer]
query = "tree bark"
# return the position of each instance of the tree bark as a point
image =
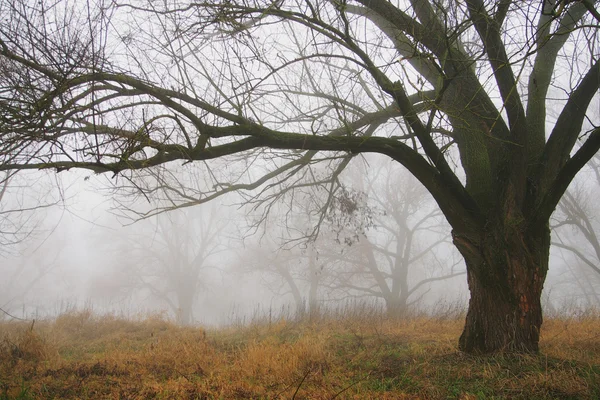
(506, 269)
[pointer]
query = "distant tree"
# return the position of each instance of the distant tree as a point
(20, 204)
(580, 217)
(455, 91)
(11, 232)
(30, 266)
(291, 236)
(392, 260)
(577, 231)
(382, 247)
(296, 272)
(22, 233)
(170, 257)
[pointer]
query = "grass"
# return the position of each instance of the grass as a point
(85, 356)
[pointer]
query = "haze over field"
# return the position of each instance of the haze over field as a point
(84, 252)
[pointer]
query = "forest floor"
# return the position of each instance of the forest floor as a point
(86, 356)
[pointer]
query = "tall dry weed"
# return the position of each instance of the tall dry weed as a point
(25, 344)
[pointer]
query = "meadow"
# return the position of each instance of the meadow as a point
(81, 355)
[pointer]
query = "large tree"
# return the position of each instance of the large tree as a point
(455, 91)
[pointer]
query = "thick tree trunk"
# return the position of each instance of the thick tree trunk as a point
(506, 271)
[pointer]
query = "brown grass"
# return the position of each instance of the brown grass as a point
(85, 356)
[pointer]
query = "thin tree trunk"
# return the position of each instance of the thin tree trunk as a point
(313, 301)
(506, 273)
(185, 302)
(294, 289)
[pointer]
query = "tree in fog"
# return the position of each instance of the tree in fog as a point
(291, 236)
(577, 232)
(297, 272)
(397, 259)
(20, 204)
(382, 247)
(455, 91)
(30, 274)
(22, 237)
(578, 210)
(169, 257)
(10, 232)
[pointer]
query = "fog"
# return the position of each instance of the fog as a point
(232, 261)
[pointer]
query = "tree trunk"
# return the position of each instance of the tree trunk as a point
(283, 270)
(506, 269)
(185, 302)
(313, 300)
(396, 306)
(315, 274)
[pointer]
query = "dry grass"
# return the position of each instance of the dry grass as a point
(84, 356)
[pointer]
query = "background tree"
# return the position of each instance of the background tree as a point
(577, 210)
(11, 232)
(381, 248)
(403, 252)
(576, 232)
(37, 263)
(294, 234)
(296, 271)
(168, 258)
(454, 91)
(21, 199)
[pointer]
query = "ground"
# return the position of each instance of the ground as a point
(85, 356)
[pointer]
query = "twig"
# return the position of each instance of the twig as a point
(300, 384)
(12, 316)
(349, 386)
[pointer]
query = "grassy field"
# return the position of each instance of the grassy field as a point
(84, 356)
